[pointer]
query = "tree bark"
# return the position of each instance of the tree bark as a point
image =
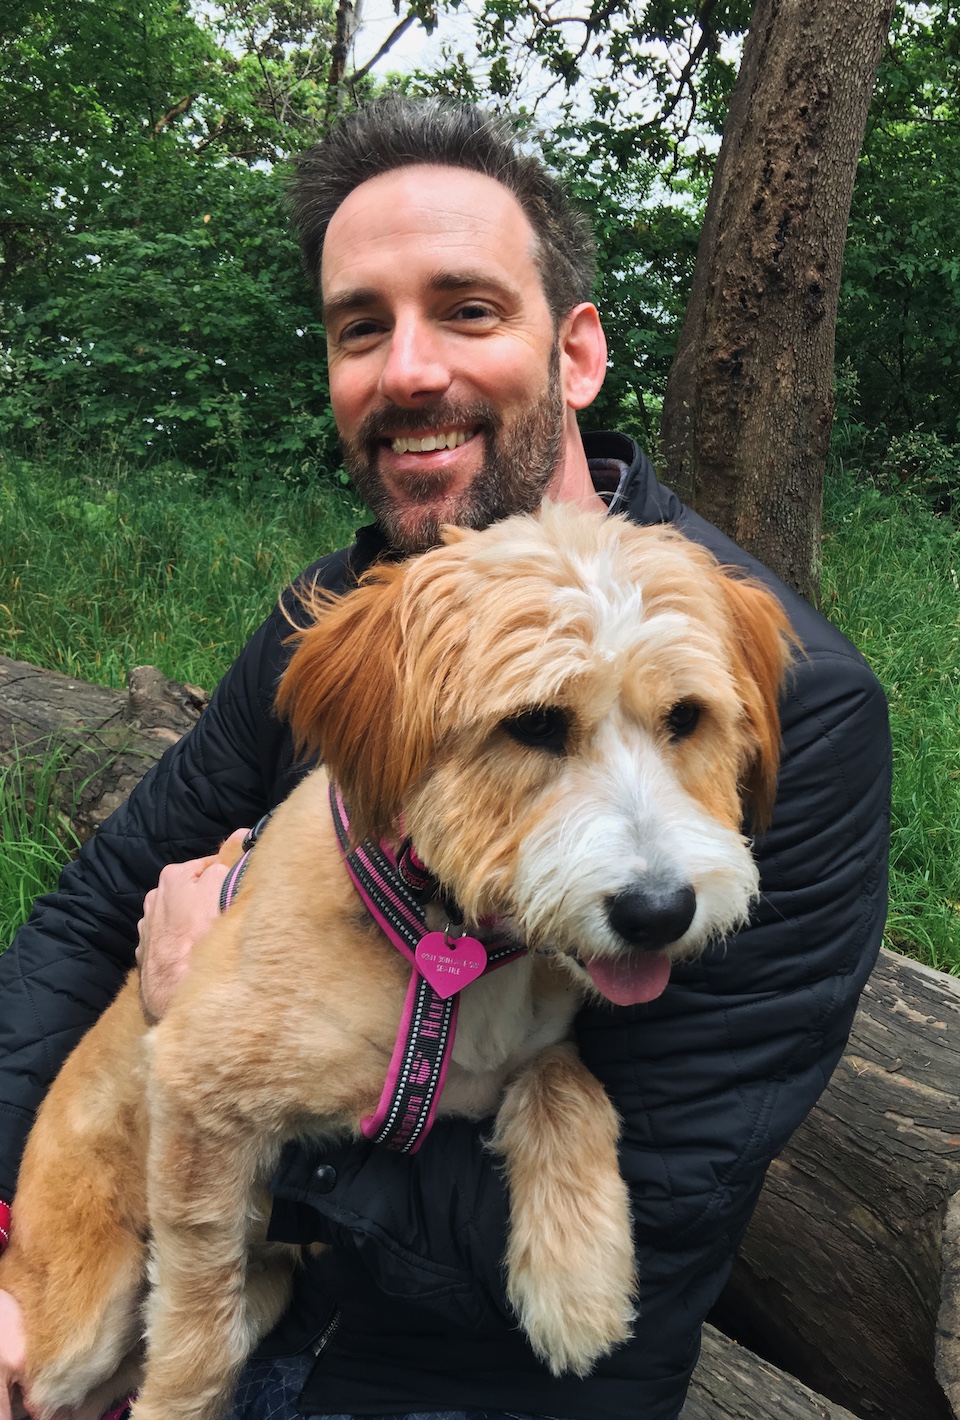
(104, 740)
(849, 1276)
(348, 21)
(730, 1383)
(749, 401)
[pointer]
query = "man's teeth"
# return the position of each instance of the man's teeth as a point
(429, 442)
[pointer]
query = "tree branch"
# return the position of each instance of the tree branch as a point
(387, 45)
(173, 113)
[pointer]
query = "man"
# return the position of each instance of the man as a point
(455, 282)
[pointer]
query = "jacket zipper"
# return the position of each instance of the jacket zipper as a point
(327, 1334)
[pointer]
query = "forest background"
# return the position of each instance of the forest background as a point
(167, 455)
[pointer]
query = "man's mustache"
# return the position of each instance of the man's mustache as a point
(392, 421)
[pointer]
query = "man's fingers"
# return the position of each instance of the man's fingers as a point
(176, 914)
(174, 875)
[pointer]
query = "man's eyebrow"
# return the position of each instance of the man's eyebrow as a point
(464, 280)
(359, 299)
(363, 297)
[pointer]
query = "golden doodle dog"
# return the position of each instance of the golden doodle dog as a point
(568, 714)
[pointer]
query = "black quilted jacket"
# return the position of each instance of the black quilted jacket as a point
(710, 1079)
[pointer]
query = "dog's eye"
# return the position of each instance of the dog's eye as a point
(545, 727)
(682, 720)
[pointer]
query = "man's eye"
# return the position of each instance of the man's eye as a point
(474, 311)
(358, 330)
(545, 727)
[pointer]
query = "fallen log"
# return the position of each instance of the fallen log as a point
(849, 1276)
(101, 741)
(730, 1383)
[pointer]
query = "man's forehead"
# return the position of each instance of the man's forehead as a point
(457, 221)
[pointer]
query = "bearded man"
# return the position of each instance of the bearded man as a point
(456, 281)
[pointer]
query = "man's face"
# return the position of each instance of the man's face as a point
(444, 366)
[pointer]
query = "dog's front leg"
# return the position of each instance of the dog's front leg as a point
(570, 1267)
(201, 1323)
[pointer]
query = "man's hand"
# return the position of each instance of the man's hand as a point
(12, 1351)
(176, 914)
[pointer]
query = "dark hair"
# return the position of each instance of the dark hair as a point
(396, 132)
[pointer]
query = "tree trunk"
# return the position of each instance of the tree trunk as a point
(849, 1276)
(348, 22)
(749, 401)
(104, 740)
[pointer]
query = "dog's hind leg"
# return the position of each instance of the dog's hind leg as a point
(570, 1266)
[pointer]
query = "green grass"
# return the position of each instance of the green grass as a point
(35, 838)
(102, 569)
(891, 582)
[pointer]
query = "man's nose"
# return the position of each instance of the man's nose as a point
(415, 369)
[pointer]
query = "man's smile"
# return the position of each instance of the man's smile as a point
(428, 443)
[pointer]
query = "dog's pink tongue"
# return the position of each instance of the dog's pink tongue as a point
(627, 982)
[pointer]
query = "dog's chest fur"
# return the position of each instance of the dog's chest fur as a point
(505, 1019)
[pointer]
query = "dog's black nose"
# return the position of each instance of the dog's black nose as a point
(651, 918)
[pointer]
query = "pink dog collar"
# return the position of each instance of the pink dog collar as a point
(442, 966)
(4, 1224)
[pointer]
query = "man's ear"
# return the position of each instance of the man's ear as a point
(343, 694)
(583, 355)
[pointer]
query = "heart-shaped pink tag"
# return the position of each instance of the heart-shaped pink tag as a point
(450, 963)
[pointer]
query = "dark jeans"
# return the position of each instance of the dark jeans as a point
(268, 1390)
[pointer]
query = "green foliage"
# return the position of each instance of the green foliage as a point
(151, 292)
(183, 329)
(891, 582)
(646, 246)
(647, 76)
(899, 322)
(105, 565)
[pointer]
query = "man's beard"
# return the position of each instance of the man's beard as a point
(519, 462)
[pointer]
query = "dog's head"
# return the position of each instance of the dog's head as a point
(574, 716)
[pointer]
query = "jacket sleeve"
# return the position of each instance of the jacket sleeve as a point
(68, 961)
(710, 1080)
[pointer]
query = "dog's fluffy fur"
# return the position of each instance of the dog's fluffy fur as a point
(570, 714)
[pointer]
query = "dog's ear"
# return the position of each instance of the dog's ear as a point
(343, 693)
(763, 644)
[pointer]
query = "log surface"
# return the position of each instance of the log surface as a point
(730, 1383)
(104, 740)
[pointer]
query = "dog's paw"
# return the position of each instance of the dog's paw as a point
(572, 1318)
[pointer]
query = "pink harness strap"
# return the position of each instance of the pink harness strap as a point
(231, 883)
(441, 967)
